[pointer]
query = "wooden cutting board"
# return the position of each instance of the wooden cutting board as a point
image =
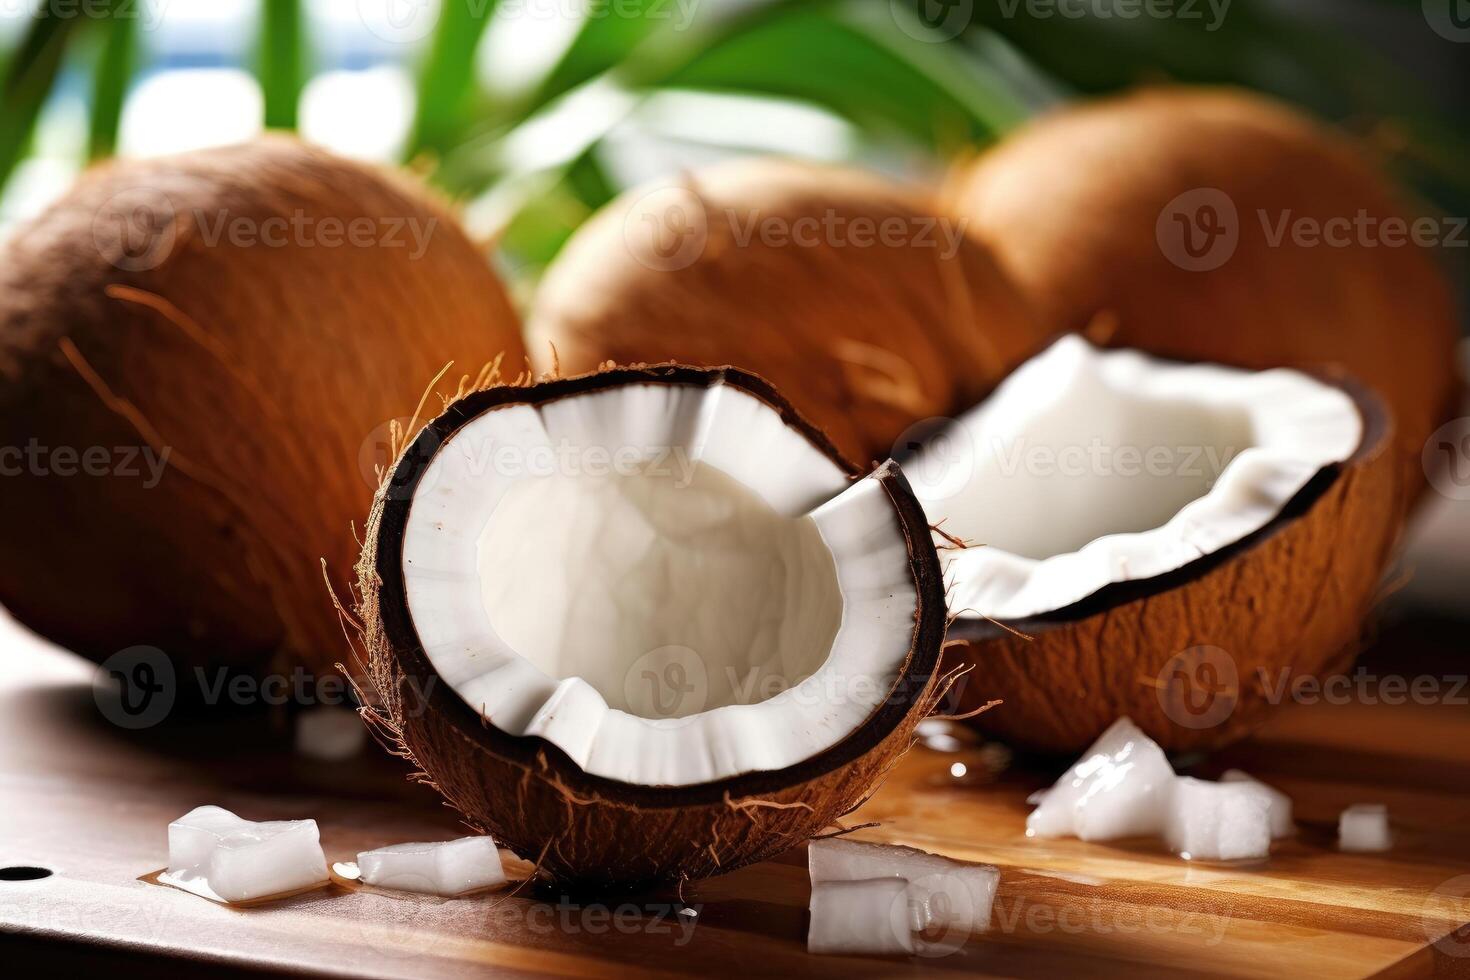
(90, 803)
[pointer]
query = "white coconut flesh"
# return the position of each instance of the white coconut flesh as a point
(667, 582)
(1087, 468)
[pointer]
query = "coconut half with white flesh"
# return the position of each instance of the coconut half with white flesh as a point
(646, 624)
(1157, 540)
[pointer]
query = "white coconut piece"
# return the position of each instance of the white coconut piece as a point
(216, 854)
(646, 500)
(329, 734)
(944, 893)
(445, 868)
(1087, 468)
(866, 917)
(1119, 788)
(346, 870)
(1218, 821)
(1281, 821)
(1363, 828)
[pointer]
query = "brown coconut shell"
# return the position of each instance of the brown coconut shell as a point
(592, 832)
(1084, 209)
(132, 318)
(782, 268)
(1200, 656)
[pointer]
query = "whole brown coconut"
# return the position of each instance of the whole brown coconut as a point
(847, 292)
(200, 357)
(1181, 221)
(1199, 657)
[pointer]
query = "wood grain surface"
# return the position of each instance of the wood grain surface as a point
(90, 801)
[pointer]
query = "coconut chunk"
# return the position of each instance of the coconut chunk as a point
(214, 853)
(1363, 827)
(869, 916)
(1119, 788)
(1281, 822)
(1218, 821)
(944, 893)
(445, 868)
(1123, 786)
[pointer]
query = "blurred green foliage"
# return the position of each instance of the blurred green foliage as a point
(913, 78)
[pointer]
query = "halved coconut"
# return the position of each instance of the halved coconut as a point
(1163, 541)
(645, 624)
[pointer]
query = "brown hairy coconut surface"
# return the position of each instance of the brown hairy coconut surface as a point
(847, 292)
(1200, 656)
(259, 314)
(590, 831)
(1089, 210)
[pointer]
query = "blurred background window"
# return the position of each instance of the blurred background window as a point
(536, 112)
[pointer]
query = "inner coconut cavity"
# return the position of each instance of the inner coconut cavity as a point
(1088, 468)
(641, 582)
(668, 582)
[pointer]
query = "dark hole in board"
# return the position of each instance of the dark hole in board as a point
(23, 872)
